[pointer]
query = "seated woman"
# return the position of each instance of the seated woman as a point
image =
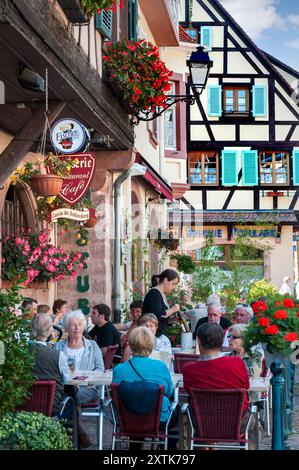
(162, 343)
(252, 359)
(84, 354)
(142, 342)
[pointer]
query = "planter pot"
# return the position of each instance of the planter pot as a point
(125, 104)
(5, 284)
(93, 220)
(271, 357)
(46, 185)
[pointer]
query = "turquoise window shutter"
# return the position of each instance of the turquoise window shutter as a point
(206, 37)
(250, 167)
(104, 23)
(133, 19)
(295, 157)
(215, 100)
(259, 101)
(229, 161)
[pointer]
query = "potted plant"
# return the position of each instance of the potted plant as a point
(45, 175)
(164, 240)
(275, 325)
(34, 258)
(134, 67)
(32, 431)
(96, 6)
(93, 219)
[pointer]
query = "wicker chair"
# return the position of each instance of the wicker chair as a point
(215, 418)
(109, 356)
(130, 427)
(180, 359)
(41, 397)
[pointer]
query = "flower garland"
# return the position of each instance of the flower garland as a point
(96, 6)
(142, 76)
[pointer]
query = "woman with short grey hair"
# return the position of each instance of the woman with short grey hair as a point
(82, 353)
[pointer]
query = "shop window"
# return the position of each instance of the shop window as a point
(204, 168)
(170, 123)
(274, 168)
(13, 218)
(236, 101)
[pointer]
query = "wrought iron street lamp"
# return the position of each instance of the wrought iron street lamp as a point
(199, 65)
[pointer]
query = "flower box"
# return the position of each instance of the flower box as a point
(6, 284)
(275, 193)
(118, 92)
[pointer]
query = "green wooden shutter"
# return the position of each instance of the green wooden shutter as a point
(295, 157)
(250, 167)
(206, 37)
(104, 23)
(133, 19)
(215, 100)
(229, 161)
(259, 101)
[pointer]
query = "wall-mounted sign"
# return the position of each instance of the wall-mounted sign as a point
(71, 214)
(69, 136)
(74, 187)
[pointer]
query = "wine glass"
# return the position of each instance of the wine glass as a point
(72, 364)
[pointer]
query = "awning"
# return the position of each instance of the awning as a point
(154, 179)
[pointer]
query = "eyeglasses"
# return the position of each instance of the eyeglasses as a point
(234, 337)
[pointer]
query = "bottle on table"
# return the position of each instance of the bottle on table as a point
(184, 325)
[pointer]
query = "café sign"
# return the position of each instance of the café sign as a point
(69, 136)
(75, 186)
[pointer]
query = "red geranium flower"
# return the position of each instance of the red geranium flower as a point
(279, 303)
(280, 315)
(297, 314)
(288, 303)
(259, 307)
(263, 321)
(291, 337)
(272, 330)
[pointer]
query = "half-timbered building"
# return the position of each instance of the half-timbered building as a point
(242, 142)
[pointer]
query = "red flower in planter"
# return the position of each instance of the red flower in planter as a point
(272, 330)
(288, 303)
(263, 321)
(259, 307)
(280, 315)
(291, 337)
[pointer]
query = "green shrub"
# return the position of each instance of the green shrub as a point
(261, 288)
(16, 375)
(185, 263)
(32, 431)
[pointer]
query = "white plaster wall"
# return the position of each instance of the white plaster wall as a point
(199, 133)
(175, 59)
(175, 170)
(237, 62)
(295, 136)
(212, 9)
(217, 58)
(292, 100)
(199, 14)
(256, 133)
(236, 80)
(224, 133)
(282, 132)
(241, 199)
(282, 113)
(237, 38)
(257, 62)
(281, 261)
(216, 199)
(266, 203)
(195, 199)
(284, 202)
(218, 36)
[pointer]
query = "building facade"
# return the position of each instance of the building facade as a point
(242, 143)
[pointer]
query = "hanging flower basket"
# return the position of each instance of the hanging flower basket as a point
(46, 185)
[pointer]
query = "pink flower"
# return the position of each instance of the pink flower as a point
(51, 268)
(19, 241)
(43, 237)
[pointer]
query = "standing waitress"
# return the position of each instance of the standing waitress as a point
(155, 300)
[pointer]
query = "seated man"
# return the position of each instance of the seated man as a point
(212, 370)
(243, 315)
(104, 332)
(214, 316)
(128, 327)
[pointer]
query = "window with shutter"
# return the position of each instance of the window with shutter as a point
(206, 37)
(250, 167)
(104, 23)
(295, 158)
(133, 19)
(259, 101)
(229, 161)
(215, 100)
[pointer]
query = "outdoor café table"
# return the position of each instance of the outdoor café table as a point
(104, 379)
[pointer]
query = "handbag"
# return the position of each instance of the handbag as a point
(139, 397)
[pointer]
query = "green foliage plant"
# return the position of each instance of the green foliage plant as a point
(260, 288)
(32, 431)
(15, 373)
(185, 263)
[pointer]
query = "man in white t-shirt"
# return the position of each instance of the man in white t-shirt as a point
(285, 288)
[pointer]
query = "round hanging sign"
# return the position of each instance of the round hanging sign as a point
(69, 136)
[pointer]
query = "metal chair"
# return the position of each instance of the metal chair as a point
(180, 359)
(265, 398)
(41, 397)
(215, 418)
(134, 428)
(109, 356)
